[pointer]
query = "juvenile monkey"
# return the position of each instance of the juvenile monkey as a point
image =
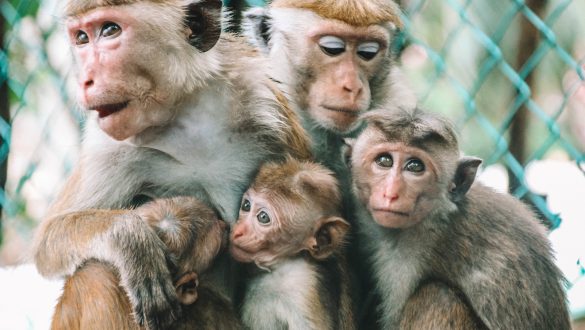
(429, 227)
(290, 235)
(173, 110)
(193, 235)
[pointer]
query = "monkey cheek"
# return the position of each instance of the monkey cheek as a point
(240, 255)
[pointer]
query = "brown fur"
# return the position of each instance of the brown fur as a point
(93, 297)
(485, 254)
(353, 12)
(75, 8)
(152, 102)
(435, 305)
(303, 240)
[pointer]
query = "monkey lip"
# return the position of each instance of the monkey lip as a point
(105, 110)
(393, 212)
(346, 111)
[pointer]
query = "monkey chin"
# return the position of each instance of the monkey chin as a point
(393, 219)
(241, 255)
(339, 120)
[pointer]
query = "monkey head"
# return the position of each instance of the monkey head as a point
(290, 208)
(193, 236)
(136, 58)
(332, 55)
(406, 165)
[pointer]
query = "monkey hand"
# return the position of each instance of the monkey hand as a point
(145, 270)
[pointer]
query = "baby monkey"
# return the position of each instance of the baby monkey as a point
(290, 236)
(193, 235)
(439, 241)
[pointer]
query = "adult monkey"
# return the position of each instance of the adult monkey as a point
(174, 110)
(333, 60)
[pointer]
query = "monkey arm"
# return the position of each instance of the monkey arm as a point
(122, 238)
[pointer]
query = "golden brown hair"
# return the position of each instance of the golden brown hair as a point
(353, 12)
(77, 7)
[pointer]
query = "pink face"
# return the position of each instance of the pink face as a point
(396, 182)
(345, 59)
(258, 235)
(118, 79)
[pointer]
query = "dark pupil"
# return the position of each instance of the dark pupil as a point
(367, 55)
(263, 217)
(384, 161)
(332, 51)
(246, 205)
(415, 166)
(81, 38)
(110, 29)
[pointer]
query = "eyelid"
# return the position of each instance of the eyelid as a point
(331, 42)
(370, 46)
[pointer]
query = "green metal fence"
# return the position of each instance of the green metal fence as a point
(510, 73)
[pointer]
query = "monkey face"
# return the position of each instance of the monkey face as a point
(128, 69)
(396, 182)
(344, 59)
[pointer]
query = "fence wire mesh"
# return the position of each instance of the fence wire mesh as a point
(510, 73)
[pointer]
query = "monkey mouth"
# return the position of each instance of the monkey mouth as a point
(105, 110)
(393, 212)
(345, 111)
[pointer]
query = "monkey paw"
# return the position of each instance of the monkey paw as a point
(156, 304)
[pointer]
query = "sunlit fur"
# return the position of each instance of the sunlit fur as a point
(354, 12)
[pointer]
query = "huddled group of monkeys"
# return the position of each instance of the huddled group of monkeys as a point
(280, 179)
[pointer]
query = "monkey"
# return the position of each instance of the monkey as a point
(193, 235)
(290, 238)
(431, 227)
(174, 107)
(334, 61)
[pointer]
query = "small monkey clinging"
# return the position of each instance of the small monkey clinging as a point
(290, 235)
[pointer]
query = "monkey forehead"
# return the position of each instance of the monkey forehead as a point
(353, 12)
(372, 32)
(99, 15)
(79, 7)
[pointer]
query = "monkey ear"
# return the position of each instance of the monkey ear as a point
(464, 176)
(346, 150)
(257, 27)
(186, 288)
(203, 18)
(328, 237)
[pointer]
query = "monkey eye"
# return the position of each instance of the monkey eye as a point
(81, 38)
(368, 50)
(415, 165)
(331, 45)
(263, 218)
(110, 29)
(246, 206)
(384, 160)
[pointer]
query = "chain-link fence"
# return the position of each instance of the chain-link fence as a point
(510, 73)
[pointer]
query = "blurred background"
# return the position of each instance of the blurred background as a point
(509, 73)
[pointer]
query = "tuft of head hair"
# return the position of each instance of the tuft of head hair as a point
(299, 182)
(414, 127)
(352, 12)
(78, 7)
